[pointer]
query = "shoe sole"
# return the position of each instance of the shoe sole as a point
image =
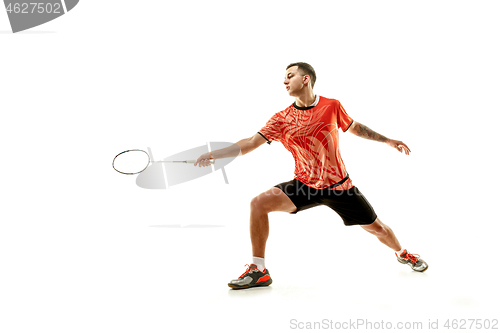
(265, 284)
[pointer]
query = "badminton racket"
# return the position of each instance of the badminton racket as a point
(134, 161)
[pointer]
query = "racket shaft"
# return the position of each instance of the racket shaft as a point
(188, 161)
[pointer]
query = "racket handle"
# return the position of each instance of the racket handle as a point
(194, 161)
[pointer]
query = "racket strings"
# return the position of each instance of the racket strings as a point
(131, 162)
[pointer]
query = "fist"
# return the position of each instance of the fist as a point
(203, 160)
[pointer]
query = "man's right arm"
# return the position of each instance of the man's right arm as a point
(241, 147)
(247, 145)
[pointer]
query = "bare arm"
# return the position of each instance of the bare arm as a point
(250, 144)
(365, 132)
(241, 147)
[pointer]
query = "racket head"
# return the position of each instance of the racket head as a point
(131, 162)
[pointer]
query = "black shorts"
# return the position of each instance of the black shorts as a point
(350, 204)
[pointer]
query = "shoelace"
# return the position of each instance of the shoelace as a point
(412, 257)
(247, 271)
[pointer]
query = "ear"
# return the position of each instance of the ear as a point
(306, 80)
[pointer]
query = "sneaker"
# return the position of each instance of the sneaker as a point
(413, 260)
(253, 277)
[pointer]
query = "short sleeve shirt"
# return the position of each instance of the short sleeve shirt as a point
(311, 135)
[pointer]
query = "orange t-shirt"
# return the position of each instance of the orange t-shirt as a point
(311, 135)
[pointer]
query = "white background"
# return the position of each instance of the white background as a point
(83, 249)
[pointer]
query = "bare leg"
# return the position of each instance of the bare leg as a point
(273, 200)
(383, 233)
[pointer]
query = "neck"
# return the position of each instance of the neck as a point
(305, 100)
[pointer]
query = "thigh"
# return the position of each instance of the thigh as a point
(351, 205)
(274, 200)
(302, 196)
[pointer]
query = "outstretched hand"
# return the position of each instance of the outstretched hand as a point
(400, 146)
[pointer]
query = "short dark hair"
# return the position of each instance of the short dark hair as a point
(306, 69)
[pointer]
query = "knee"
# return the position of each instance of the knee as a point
(378, 229)
(257, 203)
(382, 231)
(262, 203)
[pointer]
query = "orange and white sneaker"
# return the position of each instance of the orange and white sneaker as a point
(413, 260)
(252, 277)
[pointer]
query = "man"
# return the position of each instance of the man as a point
(309, 130)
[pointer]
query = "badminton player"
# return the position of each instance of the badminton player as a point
(309, 130)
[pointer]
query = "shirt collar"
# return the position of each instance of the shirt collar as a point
(316, 101)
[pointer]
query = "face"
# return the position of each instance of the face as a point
(294, 80)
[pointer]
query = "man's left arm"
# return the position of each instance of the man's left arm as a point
(364, 132)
